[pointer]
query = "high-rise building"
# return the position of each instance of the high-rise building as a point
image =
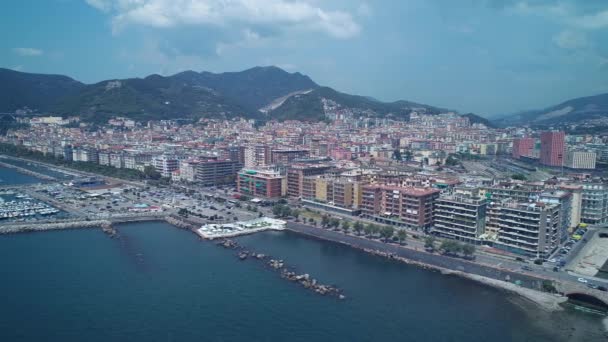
(522, 147)
(296, 174)
(552, 148)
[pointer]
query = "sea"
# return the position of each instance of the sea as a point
(156, 282)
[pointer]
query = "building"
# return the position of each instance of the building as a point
(594, 208)
(401, 206)
(267, 183)
(296, 174)
(164, 164)
(217, 172)
(256, 156)
(288, 156)
(580, 159)
(522, 147)
(552, 147)
(531, 229)
(460, 217)
(187, 170)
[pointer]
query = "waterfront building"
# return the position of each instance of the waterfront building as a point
(267, 183)
(460, 217)
(594, 203)
(552, 148)
(531, 229)
(402, 206)
(296, 174)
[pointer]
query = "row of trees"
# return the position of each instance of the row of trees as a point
(384, 232)
(282, 210)
(452, 247)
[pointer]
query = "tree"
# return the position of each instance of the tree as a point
(368, 229)
(375, 229)
(408, 155)
(311, 221)
(429, 242)
(296, 214)
(358, 227)
(519, 176)
(277, 210)
(386, 232)
(345, 225)
(334, 222)
(183, 212)
(324, 221)
(151, 173)
(468, 249)
(547, 286)
(397, 154)
(451, 247)
(401, 235)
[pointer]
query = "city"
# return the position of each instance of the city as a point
(304, 171)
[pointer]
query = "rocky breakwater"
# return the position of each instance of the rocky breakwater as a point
(38, 227)
(108, 229)
(278, 265)
(27, 172)
(180, 222)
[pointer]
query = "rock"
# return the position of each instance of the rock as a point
(341, 296)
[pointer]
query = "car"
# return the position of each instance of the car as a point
(520, 259)
(553, 260)
(526, 268)
(592, 286)
(602, 288)
(582, 280)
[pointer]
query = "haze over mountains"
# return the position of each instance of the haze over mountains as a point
(261, 93)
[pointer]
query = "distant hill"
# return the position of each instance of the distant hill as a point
(577, 110)
(261, 93)
(35, 91)
(474, 118)
(310, 106)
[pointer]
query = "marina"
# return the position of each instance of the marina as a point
(24, 207)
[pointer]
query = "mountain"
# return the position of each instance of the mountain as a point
(261, 93)
(151, 98)
(315, 104)
(579, 110)
(252, 88)
(35, 91)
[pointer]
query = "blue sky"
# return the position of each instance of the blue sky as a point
(483, 56)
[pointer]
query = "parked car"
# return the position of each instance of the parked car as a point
(602, 288)
(582, 280)
(526, 268)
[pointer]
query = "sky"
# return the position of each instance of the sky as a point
(489, 57)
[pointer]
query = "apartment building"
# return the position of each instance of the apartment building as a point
(296, 174)
(531, 229)
(580, 160)
(594, 207)
(401, 206)
(460, 217)
(287, 156)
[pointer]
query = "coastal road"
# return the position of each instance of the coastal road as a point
(421, 256)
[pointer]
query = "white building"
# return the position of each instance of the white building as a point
(580, 159)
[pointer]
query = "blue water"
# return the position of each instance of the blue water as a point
(37, 168)
(159, 283)
(12, 177)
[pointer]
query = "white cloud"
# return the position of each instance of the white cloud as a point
(593, 21)
(566, 13)
(249, 39)
(569, 39)
(300, 14)
(27, 52)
